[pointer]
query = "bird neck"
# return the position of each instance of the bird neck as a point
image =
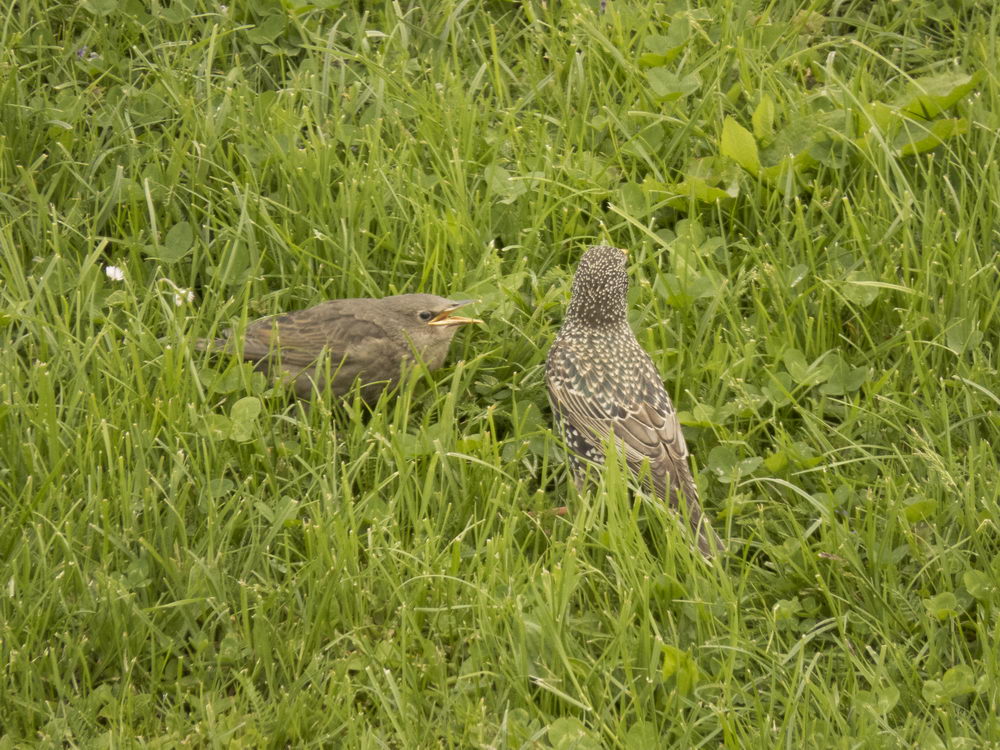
(594, 313)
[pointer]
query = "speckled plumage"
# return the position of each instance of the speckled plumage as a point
(602, 383)
(360, 339)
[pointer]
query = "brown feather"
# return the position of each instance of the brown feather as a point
(339, 342)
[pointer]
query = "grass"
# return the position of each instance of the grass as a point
(190, 557)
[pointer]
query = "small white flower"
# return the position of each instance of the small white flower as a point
(183, 296)
(114, 273)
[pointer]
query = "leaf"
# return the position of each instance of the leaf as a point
(702, 415)
(717, 171)
(700, 190)
(668, 86)
(728, 467)
(177, 243)
(680, 665)
(882, 116)
(707, 179)
(225, 381)
(954, 683)
(497, 177)
(929, 96)
(521, 727)
(243, 416)
(795, 274)
(794, 140)
(641, 736)
(888, 697)
(809, 21)
(763, 118)
(880, 701)
(220, 487)
(241, 432)
(929, 739)
(787, 609)
(412, 446)
(268, 30)
(175, 14)
(802, 455)
(101, 7)
(962, 334)
(942, 606)
(646, 142)
(501, 183)
(776, 462)
(570, 734)
(665, 48)
(633, 200)
(246, 409)
(859, 289)
(739, 145)
(215, 426)
(929, 137)
(117, 298)
(919, 509)
(841, 378)
(676, 293)
(803, 373)
(981, 585)
(795, 363)
(779, 390)
(797, 455)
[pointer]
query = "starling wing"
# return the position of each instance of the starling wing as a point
(638, 414)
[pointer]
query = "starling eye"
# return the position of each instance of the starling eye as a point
(425, 315)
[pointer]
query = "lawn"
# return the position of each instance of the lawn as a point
(810, 194)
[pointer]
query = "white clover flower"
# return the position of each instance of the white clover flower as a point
(114, 273)
(183, 296)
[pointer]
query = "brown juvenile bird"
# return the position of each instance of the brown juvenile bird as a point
(602, 384)
(349, 339)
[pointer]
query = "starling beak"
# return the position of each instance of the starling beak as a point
(340, 341)
(603, 385)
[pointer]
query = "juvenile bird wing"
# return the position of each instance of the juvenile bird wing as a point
(352, 342)
(302, 336)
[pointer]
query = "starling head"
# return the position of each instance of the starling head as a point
(599, 288)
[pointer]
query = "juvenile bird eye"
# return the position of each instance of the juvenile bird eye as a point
(425, 315)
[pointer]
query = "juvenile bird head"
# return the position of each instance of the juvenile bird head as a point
(426, 321)
(600, 287)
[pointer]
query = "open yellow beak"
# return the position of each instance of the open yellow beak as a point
(446, 318)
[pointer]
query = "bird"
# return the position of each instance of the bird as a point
(603, 386)
(342, 341)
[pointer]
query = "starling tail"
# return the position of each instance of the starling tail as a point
(603, 385)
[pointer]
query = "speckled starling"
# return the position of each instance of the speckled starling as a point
(348, 340)
(603, 385)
